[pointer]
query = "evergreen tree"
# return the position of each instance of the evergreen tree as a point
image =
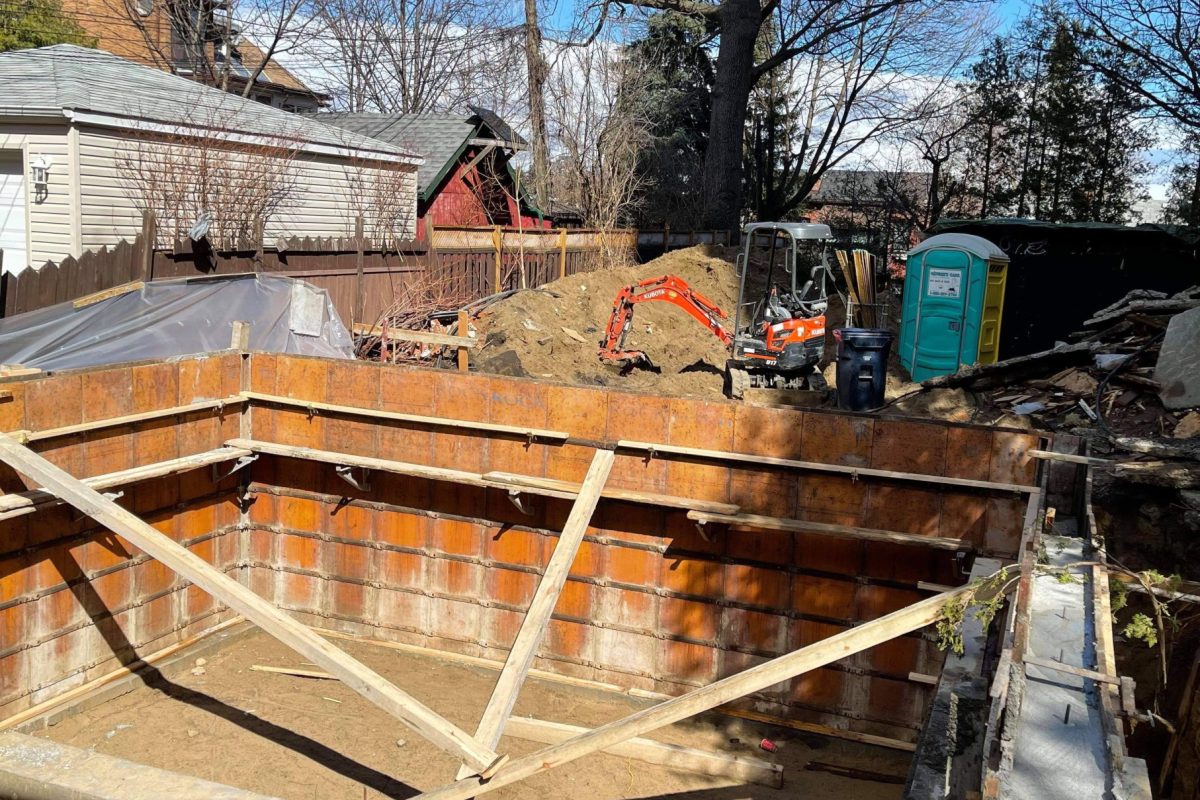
(1183, 198)
(772, 170)
(992, 133)
(675, 75)
(38, 23)
(1117, 142)
(1061, 118)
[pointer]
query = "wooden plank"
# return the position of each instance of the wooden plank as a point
(840, 531)
(298, 673)
(442, 422)
(1079, 672)
(239, 338)
(116, 291)
(534, 484)
(424, 337)
(689, 759)
(854, 773)
(129, 419)
(824, 730)
(109, 677)
(814, 466)
(366, 462)
(533, 626)
(755, 679)
(18, 503)
(287, 630)
(464, 326)
(1070, 458)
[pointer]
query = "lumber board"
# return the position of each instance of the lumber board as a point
(612, 493)
(782, 668)
(545, 597)
(816, 466)
(1079, 672)
(365, 462)
(120, 672)
(105, 294)
(128, 419)
(297, 673)
(16, 504)
(1070, 458)
(689, 759)
(422, 337)
(442, 422)
(584, 683)
(294, 634)
(840, 531)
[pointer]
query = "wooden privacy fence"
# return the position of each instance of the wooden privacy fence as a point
(478, 262)
(363, 277)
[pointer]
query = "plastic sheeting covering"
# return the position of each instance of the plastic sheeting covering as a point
(178, 318)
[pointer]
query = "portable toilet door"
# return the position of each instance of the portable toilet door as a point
(953, 298)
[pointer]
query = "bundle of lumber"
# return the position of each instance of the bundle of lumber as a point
(858, 267)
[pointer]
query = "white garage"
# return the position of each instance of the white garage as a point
(12, 210)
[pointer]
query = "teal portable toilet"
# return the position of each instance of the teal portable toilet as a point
(953, 300)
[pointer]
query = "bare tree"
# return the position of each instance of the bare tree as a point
(198, 174)
(537, 70)
(413, 56)
(869, 84)
(1160, 40)
(599, 134)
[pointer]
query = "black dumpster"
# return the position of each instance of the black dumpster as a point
(862, 358)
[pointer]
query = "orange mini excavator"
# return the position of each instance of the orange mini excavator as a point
(777, 338)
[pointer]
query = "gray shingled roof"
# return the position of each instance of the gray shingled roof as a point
(65, 78)
(437, 137)
(863, 185)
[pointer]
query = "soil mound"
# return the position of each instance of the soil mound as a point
(554, 332)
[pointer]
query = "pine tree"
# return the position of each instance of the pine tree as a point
(675, 74)
(992, 132)
(1183, 198)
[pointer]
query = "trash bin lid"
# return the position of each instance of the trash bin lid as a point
(976, 245)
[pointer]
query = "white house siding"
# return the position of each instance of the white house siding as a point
(320, 204)
(48, 218)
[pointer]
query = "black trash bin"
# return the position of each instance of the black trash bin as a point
(862, 357)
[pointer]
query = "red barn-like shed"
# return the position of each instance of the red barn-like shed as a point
(467, 178)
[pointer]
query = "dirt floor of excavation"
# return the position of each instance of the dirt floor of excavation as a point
(303, 739)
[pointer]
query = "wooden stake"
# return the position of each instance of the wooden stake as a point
(287, 630)
(464, 323)
(755, 679)
(533, 627)
(359, 280)
(240, 337)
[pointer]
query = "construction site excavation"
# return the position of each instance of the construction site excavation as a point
(250, 574)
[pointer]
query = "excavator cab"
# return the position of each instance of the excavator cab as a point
(779, 323)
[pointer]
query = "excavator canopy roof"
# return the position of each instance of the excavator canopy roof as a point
(797, 230)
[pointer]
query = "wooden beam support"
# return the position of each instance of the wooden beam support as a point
(287, 630)
(129, 419)
(652, 450)
(421, 337)
(442, 422)
(1069, 458)
(689, 759)
(17, 504)
(841, 531)
(535, 485)
(533, 626)
(755, 679)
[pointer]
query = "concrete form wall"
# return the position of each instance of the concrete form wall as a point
(650, 604)
(75, 601)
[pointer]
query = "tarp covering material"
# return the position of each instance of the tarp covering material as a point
(178, 318)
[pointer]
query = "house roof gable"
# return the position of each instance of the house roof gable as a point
(102, 86)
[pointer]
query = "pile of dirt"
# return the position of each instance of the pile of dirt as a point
(554, 332)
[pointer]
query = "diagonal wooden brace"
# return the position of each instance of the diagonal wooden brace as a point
(533, 627)
(354, 674)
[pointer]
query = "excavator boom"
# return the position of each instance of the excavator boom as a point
(665, 288)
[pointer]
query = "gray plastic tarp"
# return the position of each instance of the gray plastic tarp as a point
(177, 318)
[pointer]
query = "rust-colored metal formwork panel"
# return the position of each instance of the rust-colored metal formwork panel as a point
(650, 603)
(77, 601)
